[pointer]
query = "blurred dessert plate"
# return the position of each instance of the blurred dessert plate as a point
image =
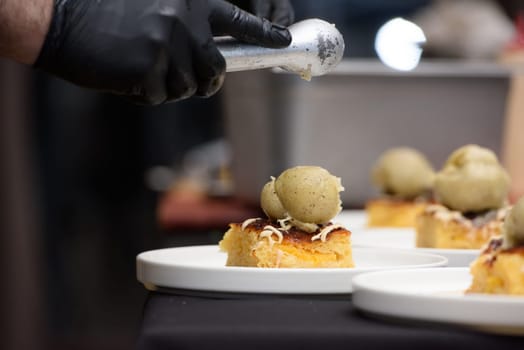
(437, 296)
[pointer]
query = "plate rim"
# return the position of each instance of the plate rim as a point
(143, 265)
(421, 302)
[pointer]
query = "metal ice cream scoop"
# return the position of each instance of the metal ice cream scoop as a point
(316, 48)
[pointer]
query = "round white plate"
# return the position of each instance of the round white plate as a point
(405, 239)
(203, 268)
(437, 295)
(352, 219)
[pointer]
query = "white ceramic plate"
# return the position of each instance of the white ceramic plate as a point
(405, 239)
(437, 295)
(203, 268)
(352, 219)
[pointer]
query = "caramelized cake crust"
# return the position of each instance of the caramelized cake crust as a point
(255, 244)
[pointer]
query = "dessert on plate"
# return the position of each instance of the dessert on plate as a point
(471, 193)
(405, 179)
(500, 267)
(298, 232)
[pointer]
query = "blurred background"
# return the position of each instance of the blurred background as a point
(88, 181)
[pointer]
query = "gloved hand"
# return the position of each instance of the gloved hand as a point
(151, 51)
(277, 11)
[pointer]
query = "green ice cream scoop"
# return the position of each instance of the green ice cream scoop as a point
(309, 194)
(270, 202)
(513, 230)
(403, 172)
(472, 180)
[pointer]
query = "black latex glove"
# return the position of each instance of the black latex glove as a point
(151, 51)
(277, 11)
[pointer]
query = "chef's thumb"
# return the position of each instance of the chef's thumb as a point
(228, 19)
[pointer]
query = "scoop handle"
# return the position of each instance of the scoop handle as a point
(240, 56)
(316, 48)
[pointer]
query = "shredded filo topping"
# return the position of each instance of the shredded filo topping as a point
(322, 235)
(285, 223)
(248, 222)
(268, 233)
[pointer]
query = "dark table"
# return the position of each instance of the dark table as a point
(192, 320)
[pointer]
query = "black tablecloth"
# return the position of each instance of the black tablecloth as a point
(188, 320)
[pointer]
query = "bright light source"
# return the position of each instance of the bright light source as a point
(399, 44)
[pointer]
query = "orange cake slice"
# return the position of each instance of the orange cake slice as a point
(385, 212)
(440, 227)
(264, 243)
(500, 267)
(498, 270)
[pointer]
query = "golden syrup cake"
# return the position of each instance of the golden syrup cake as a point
(499, 269)
(440, 227)
(385, 212)
(264, 243)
